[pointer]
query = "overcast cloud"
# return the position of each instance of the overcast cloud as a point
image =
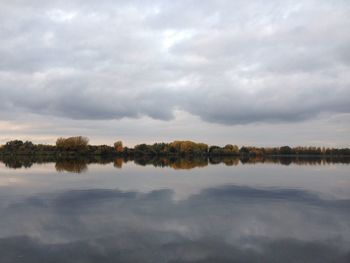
(224, 62)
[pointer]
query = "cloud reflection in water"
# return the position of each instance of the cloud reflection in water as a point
(222, 224)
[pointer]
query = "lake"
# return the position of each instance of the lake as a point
(175, 211)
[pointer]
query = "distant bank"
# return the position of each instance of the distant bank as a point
(79, 146)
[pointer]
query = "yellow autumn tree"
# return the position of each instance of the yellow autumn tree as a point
(118, 146)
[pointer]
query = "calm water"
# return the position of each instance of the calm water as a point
(125, 212)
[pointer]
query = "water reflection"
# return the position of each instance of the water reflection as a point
(232, 212)
(72, 166)
(221, 224)
(173, 162)
(79, 165)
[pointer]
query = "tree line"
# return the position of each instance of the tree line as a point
(79, 145)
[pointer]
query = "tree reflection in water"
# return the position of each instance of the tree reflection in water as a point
(72, 166)
(80, 165)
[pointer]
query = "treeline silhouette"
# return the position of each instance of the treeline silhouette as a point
(79, 146)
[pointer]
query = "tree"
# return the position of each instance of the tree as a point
(286, 150)
(244, 150)
(215, 150)
(118, 146)
(230, 149)
(13, 145)
(77, 143)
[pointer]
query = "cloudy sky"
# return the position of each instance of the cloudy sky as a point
(246, 72)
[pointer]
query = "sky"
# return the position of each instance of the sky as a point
(265, 73)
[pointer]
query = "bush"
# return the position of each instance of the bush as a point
(77, 143)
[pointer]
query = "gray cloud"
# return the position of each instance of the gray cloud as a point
(229, 62)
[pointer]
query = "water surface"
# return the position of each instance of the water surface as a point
(190, 211)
